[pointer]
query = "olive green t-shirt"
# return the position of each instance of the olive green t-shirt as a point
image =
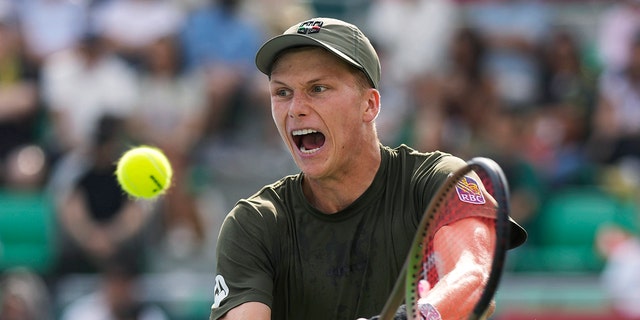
(275, 248)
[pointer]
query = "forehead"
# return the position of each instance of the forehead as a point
(309, 56)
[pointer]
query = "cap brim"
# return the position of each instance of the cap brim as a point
(270, 50)
(518, 234)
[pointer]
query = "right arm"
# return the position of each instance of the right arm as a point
(245, 265)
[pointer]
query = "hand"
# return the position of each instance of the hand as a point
(428, 311)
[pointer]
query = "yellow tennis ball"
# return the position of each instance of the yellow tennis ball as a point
(144, 172)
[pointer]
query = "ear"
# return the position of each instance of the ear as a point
(372, 102)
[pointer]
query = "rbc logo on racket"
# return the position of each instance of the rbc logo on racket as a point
(469, 191)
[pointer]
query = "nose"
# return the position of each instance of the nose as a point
(299, 106)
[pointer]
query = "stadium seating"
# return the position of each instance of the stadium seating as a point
(566, 228)
(26, 231)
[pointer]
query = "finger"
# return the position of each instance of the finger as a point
(423, 288)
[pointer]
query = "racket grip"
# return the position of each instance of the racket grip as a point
(427, 312)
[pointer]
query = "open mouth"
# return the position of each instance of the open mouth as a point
(308, 140)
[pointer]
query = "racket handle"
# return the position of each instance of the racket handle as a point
(427, 312)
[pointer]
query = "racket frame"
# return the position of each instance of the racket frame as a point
(405, 288)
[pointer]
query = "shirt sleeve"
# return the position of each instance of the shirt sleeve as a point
(428, 186)
(244, 268)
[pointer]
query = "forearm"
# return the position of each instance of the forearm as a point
(464, 270)
(456, 294)
(249, 311)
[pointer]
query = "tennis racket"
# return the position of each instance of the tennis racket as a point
(460, 193)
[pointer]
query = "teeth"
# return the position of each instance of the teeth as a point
(304, 150)
(303, 132)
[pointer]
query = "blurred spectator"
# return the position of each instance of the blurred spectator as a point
(169, 115)
(566, 79)
(505, 138)
(617, 118)
(27, 230)
(26, 170)
(478, 123)
(23, 164)
(130, 26)
(562, 122)
(24, 296)
(397, 112)
(514, 30)
(218, 33)
(464, 97)
(414, 33)
(218, 40)
(82, 84)
(618, 27)
(99, 223)
(170, 103)
(461, 112)
(620, 277)
(412, 39)
(275, 16)
(18, 97)
(118, 297)
(49, 26)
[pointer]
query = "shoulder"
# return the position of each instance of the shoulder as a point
(424, 172)
(405, 150)
(266, 205)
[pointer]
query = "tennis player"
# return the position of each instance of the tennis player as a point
(329, 242)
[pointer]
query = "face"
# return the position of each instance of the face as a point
(322, 110)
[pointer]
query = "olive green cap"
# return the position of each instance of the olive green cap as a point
(341, 38)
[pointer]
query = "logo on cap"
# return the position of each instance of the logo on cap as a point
(309, 27)
(469, 191)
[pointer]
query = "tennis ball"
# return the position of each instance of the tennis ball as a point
(144, 172)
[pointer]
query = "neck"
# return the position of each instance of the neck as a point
(331, 195)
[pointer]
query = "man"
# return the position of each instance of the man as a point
(329, 242)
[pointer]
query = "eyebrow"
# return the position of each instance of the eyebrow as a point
(314, 80)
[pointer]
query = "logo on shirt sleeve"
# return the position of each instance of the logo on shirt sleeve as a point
(220, 291)
(469, 191)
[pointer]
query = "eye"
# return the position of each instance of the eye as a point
(318, 89)
(282, 92)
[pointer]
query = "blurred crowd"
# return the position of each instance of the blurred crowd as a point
(549, 89)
